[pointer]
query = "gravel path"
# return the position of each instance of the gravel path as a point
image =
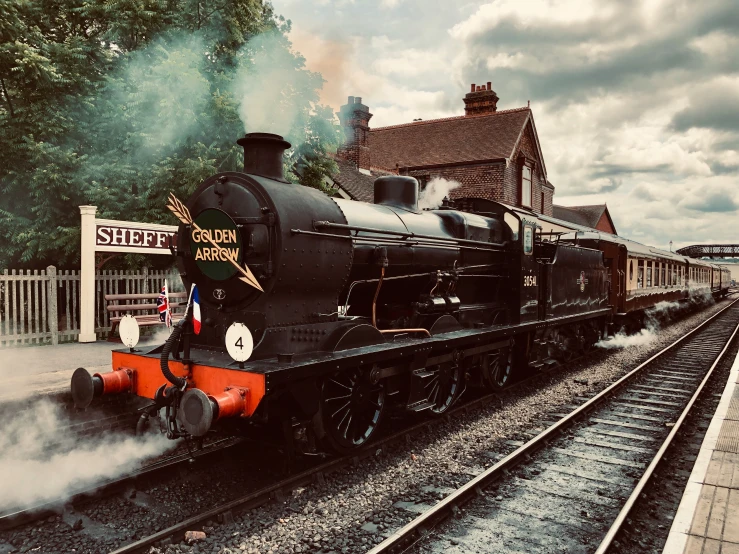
(354, 510)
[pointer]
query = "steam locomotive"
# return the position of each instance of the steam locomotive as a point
(318, 313)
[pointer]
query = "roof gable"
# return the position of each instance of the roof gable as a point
(528, 142)
(587, 216)
(451, 140)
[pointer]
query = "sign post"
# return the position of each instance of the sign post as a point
(87, 275)
(109, 235)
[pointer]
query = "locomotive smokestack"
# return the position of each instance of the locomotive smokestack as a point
(263, 154)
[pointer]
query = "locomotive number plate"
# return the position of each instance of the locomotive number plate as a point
(529, 280)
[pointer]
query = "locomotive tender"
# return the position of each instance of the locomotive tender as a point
(352, 306)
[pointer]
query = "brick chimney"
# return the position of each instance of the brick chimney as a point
(480, 100)
(354, 117)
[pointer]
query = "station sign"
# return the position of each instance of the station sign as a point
(132, 237)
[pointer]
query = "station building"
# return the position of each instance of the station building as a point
(494, 154)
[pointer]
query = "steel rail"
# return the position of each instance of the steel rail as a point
(631, 501)
(12, 519)
(266, 494)
(419, 527)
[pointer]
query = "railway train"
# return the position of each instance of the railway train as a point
(317, 313)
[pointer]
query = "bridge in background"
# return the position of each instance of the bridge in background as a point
(710, 251)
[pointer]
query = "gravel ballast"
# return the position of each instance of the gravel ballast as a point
(354, 509)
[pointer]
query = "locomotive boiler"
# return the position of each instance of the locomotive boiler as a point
(351, 306)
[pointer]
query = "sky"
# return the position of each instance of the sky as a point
(636, 103)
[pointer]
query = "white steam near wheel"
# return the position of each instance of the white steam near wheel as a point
(239, 342)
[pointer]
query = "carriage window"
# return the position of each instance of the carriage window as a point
(656, 274)
(640, 275)
(649, 274)
(631, 270)
(662, 278)
(528, 239)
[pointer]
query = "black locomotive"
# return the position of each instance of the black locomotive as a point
(352, 305)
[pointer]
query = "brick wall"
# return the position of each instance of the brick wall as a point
(478, 181)
(527, 149)
(497, 181)
(548, 201)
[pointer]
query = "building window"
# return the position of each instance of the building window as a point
(542, 202)
(526, 186)
(662, 278)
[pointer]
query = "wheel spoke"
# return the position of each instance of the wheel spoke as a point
(338, 398)
(348, 424)
(332, 380)
(351, 413)
(344, 407)
(347, 413)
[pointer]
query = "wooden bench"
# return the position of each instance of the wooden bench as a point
(118, 308)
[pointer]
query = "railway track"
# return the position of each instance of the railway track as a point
(227, 511)
(572, 487)
(314, 470)
(78, 504)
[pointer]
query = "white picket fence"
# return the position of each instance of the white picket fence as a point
(42, 306)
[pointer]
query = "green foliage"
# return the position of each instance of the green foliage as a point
(117, 103)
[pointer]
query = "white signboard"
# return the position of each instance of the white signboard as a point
(130, 237)
(108, 235)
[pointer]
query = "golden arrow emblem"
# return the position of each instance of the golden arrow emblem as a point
(183, 214)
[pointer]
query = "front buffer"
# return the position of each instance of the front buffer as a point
(210, 392)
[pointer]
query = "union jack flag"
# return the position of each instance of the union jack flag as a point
(165, 315)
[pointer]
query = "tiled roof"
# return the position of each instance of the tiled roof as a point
(357, 185)
(451, 140)
(588, 216)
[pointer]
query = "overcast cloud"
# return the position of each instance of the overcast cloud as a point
(636, 102)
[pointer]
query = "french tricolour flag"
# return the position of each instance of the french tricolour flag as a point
(196, 317)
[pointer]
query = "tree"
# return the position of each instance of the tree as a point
(118, 102)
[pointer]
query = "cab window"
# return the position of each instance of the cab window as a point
(528, 239)
(513, 225)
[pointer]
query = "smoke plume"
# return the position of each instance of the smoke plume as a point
(654, 318)
(42, 461)
(436, 190)
(622, 340)
(272, 88)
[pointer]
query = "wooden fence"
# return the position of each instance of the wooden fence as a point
(42, 307)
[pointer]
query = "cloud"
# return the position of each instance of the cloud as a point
(713, 202)
(643, 193)
(712, 106)
(634, 100)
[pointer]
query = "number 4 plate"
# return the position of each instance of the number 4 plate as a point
(239, 342)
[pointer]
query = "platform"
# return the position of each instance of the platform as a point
(707, 520)
(46, 370)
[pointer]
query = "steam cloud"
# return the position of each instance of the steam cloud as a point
(271, 90)
(435, 191)
(654, 318)
(41, 460)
